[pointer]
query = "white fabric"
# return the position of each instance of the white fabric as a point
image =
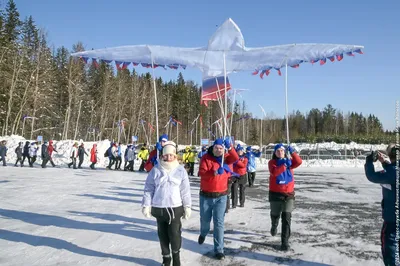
(227, 40)
(167, 190)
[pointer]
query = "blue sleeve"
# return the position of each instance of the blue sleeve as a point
(388, 176)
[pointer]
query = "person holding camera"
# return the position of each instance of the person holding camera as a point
(387, 179)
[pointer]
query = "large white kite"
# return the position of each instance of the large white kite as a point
(225, 53)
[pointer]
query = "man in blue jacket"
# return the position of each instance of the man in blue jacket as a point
(387, 179)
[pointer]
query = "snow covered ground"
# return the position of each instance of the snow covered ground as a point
(61, 216)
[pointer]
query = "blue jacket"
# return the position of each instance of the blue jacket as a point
(251, 165)
(387, 179)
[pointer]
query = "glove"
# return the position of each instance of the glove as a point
(220, 171)
(288, 163)
(187, 213)
(228, 142)
(370, 158)
(146, 211)
(290, 149)
(281, 161)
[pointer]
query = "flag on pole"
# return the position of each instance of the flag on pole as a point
(214, 89)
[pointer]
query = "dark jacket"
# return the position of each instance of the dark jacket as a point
(81, 153)
(45, 153)
(26, 149)
(387, 178)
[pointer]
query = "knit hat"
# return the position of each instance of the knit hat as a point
(279, 146)
(163, 137)
(219, 142)
(169, 148)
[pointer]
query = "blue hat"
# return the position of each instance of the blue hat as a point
(239, 148)
(219, 142)
(163, 137)
(279, 146)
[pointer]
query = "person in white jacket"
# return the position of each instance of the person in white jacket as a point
(33, 153)
(167, 197)
(73, 155)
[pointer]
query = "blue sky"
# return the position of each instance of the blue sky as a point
(366, 84)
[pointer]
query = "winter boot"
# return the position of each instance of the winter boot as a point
(274, 225)
(166, 260)
(285, 235)
(176, 260)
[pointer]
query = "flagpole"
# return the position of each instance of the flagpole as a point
(233, 106)
(226, 98)
(286, 104)
(155, 94)
(23, 127)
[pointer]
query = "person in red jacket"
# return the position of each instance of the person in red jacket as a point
(93, 156)
(214, 176)
(281, 190)
(153, 154)
(50, 150)
(239, 167)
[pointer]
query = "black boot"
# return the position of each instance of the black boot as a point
(166, 260)
(274, 225)
(176, 260)
(285, 235)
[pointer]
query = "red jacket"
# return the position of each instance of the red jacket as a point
(276, 171)
(93, 156)
(209, 182)
(149, 164)
(241, 166)
(50, 149)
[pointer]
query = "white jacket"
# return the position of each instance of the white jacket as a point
(167, 190)
(74, 152)
(33, 150)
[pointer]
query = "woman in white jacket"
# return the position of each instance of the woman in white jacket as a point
(167, 197)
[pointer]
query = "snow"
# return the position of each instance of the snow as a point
(61, 216)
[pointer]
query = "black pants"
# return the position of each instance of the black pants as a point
(238, 187)
(19, 159)
(282, 209)
(33, 159)
(169, 228)
(228, 203)
(141, 168)
(23, 159)
(112, 161)
(72, 163)
(3, 159)
(118, 162)
(80, 162)
(251, 176)
(191, 168)
(44, 162)
(92, 165)
(52, 163)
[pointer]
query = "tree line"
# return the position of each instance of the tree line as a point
(44, 91)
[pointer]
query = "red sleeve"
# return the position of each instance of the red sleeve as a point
(242, 164)
(274, 169)
(206, 169)
(231, 157)
(296, 160)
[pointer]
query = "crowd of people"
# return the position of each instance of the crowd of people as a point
(225, 171)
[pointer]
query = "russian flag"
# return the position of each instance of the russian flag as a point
(214, 89)
(95, 63)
